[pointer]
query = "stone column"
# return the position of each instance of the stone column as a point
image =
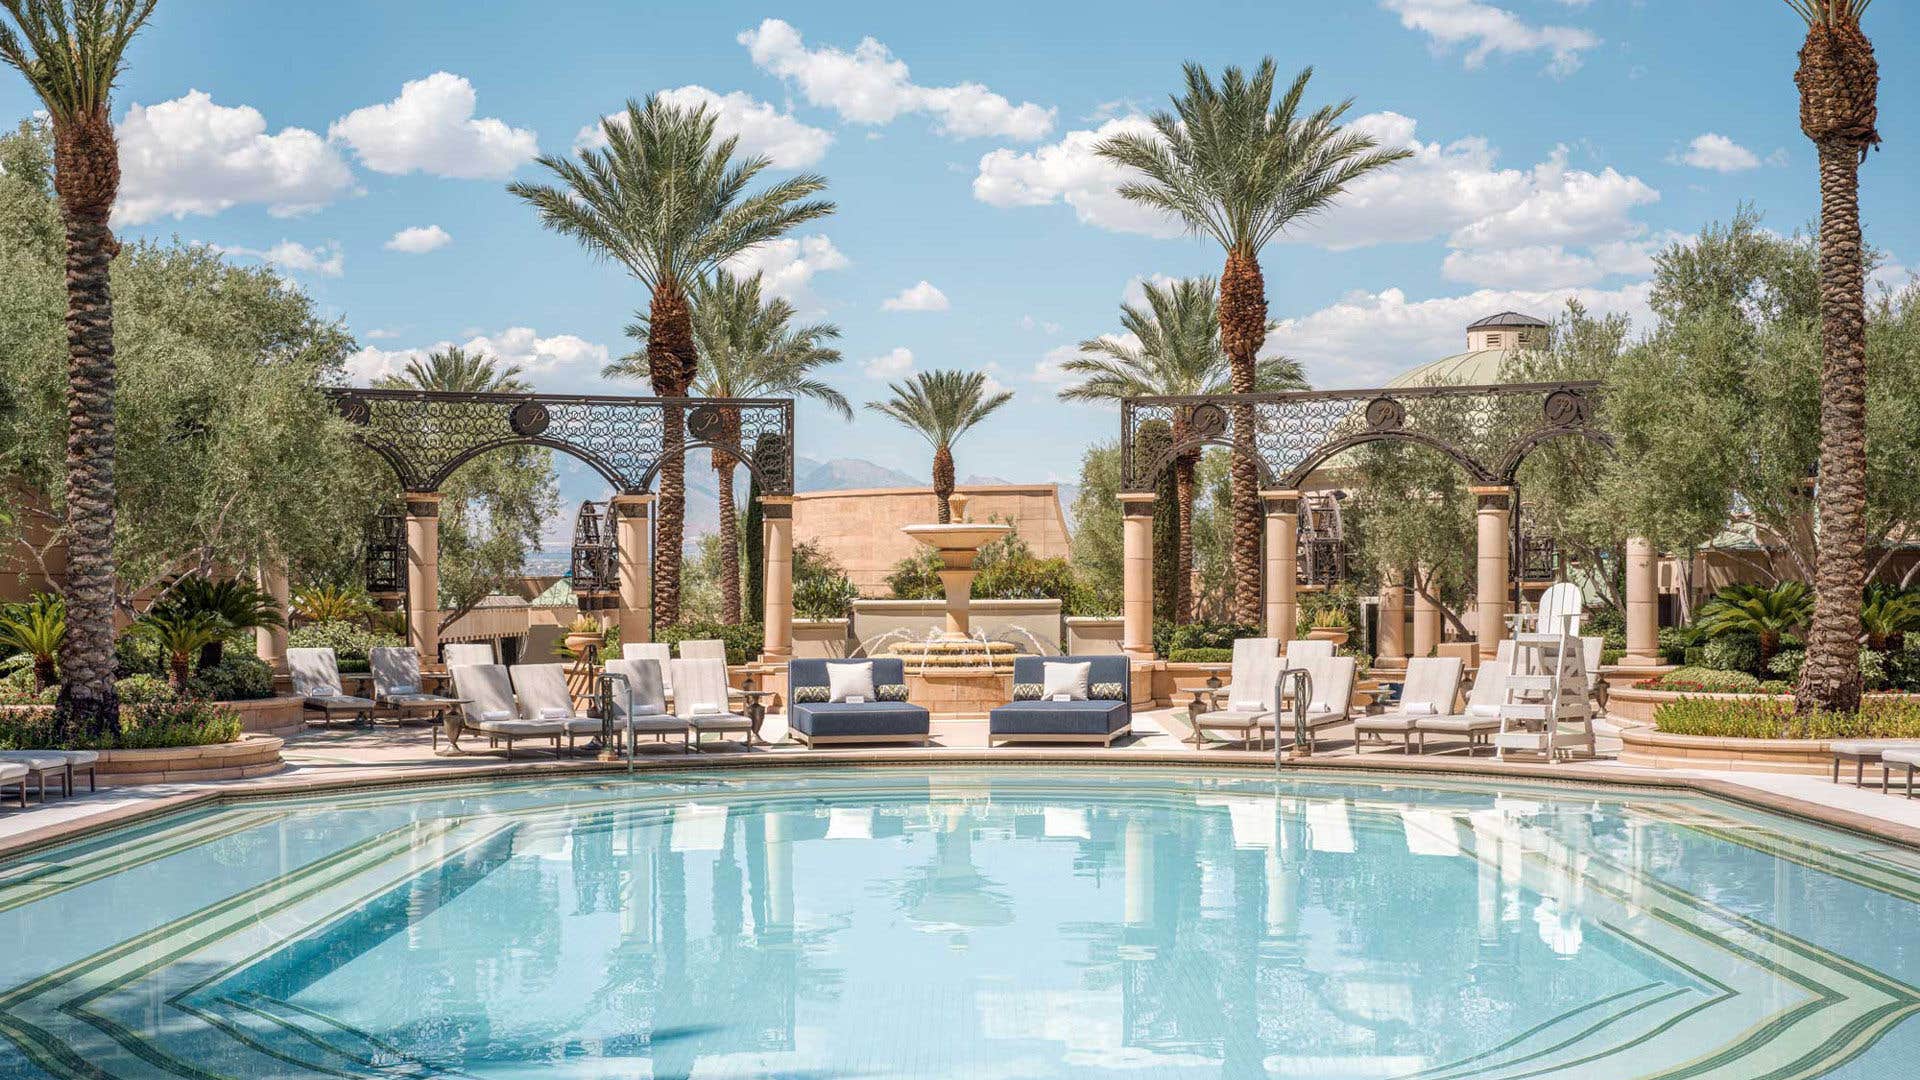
(270, 642)
(1283, 562)
(1643, 605)
(1393, 617)
(1426, 625)
(1136, 535)
(423, 574)
(776, 516)
(634, 552)
(1490, 588)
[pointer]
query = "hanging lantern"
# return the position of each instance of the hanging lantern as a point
(387, 559)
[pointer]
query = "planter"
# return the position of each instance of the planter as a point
(269, 716)
(252, 755)
(580, 642)
(1630, 703)
(1336, 634)
(1657, 749)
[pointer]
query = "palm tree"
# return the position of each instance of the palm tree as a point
(1888, 616)
(457, 371)
(71, 54)
(668, 201)
(1839, 89)
(942, 406)
(36, 627)
(749, 347)
(1234, 165)
(237, 603)
(333, 603)
(180, 634)
(1171, 346)
(1765, 614)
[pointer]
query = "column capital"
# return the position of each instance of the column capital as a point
(1280, 493)
(1492, 496)
(776, 500)
(423, 504)
(1136, 503)
(632, 506)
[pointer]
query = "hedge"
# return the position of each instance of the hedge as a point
(1878, 718)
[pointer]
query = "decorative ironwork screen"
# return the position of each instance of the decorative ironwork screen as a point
(387, 556)
(596, 560)
(1487, 430)
(427, 434)
(1322, 559)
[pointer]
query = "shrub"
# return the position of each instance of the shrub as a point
(1785, 664)
(1702, 680)
(1776, 686)
(1878, 718)
(745, 642)
(350, 642)
(135, 689)
(824, 596)
(1674, 643)
(163, 721)
(1203, 635)
(1200, 656)
(234, 678)
(1610, 625)
(1733, 652)
(1873, 669)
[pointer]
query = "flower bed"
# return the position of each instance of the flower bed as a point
(1761, 734)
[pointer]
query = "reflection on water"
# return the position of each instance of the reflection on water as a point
(1021, 926)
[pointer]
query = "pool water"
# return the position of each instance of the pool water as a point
(996, 922)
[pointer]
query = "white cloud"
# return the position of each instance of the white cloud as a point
(760, 127)
(871, 86)
(1549, 266)
(1028, 322)
(191, 156)
(326, 259)
(381, 335)
(1366, 338)
(431, 128)
(787, 265)
(892, 364)
(1049, 369)
(921, 297)
(1485, 30)
(418, 240)
(1719, 153)
(1135, 292)
(1069, 171)
(547, 362)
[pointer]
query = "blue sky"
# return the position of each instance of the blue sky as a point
(364, 145)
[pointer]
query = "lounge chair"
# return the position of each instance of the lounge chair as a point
(647, 700)
(14, 774)
(1247, 652)
(1332, 701)
(1432, 683)
(659, 654)
(1906, 759)
(1864, 752)
(545, 696)
(41, 764)
(398, 688)
(709, 649)
(1101, 716)
(700, 698)
(1307, 648)
(1482, 716)
(815, 718)
(316, 679)
(465, 654)
(1253, 697)
(490, 710)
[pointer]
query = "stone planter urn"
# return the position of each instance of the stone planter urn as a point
(1336, 634)
(579, 643)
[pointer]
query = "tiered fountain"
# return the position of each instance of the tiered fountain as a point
(957, 671)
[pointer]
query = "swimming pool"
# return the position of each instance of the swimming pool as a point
(1001, 922)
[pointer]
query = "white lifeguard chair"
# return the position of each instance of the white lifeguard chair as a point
(1548, 710)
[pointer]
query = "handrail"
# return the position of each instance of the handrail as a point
(1302, 697)
(607, 679)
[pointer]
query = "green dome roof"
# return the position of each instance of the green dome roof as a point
(1481, 367)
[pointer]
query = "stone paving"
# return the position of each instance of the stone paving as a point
(388, 751)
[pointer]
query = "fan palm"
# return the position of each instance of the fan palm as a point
(1233, 164)
(941, 406)
(457, 371)
(180, 634)
(237, 603)
(36, 627)
(72, 53)
(1765, 614)
(749, 347)
(1839, 89)
(1171, 346)
(667, 200)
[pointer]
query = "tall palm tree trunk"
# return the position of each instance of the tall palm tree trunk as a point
(723, 465)
(671, 360)
(1839, 86)
(943, 484)
(1243, 329)
(86, 177)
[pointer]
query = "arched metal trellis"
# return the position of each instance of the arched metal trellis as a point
(427, 434)
(1487, 430)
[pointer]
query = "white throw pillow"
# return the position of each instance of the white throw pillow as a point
(850, 681)
(1069, 679)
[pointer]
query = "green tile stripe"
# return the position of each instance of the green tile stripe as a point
(1435, 1072)
(40, 880)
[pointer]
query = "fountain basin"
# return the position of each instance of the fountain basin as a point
(961, 536)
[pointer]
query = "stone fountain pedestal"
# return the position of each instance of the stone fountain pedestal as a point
(955, 673)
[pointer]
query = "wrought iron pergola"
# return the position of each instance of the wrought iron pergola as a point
(1487, 430)
(427, 434)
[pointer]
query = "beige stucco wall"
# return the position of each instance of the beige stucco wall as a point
(861, 528)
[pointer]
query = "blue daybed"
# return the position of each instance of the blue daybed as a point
(815, 723)
(1102, 718)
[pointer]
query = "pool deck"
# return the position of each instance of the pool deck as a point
(321, 759)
